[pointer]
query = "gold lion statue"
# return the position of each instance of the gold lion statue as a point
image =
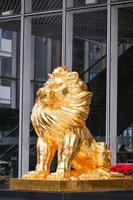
(59, 117)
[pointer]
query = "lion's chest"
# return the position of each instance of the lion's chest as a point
(46, 123)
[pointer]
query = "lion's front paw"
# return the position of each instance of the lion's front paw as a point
(56, 176)
(34, 175)
(29, 175)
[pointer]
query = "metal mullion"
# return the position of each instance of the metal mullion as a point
(8, 78)
(21, 89)
(17, 79)
(34, 81)
(25, 70)
(122, 4)
(32, 14)
(111, 81)
(86, 8)
(10, 17)
(108, 73)
(64, 33)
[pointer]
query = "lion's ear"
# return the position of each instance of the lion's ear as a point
(73, 77)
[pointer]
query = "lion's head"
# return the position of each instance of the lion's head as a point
(65, 97)
(63, 102)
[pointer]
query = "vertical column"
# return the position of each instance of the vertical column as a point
(67, 31)
(86, 59)
(113, 87)
(49, 55)
(0, 70)
(25, 76)
(32, 71)
(64, 34)
(58, 52)
(69, 39)
(14, 55)
(28, 6)
(112, 67)
(0, 50)
(108, 73)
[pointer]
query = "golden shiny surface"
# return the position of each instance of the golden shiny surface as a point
(72, 185)
(58, 117)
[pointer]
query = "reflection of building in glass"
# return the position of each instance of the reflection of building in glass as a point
(97, 43)
(5, 65)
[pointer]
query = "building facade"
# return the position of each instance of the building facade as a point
(92, 37)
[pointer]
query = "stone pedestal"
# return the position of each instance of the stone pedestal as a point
(72, 185)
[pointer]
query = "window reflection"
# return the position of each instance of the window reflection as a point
(9, 97)
(46, 38)
(89, 59)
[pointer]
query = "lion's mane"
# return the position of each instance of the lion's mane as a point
(61, 104)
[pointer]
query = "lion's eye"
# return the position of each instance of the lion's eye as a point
(54, 85)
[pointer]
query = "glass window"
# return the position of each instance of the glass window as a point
(47, 42)
(78, 3)
(42, 5)
(46, 49)
(120, 0)
(10, 7)
(125, 86)
(89, 59)
(9, 94)
(6, 34)
(9, 59)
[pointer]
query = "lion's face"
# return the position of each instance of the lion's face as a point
(59, 84)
